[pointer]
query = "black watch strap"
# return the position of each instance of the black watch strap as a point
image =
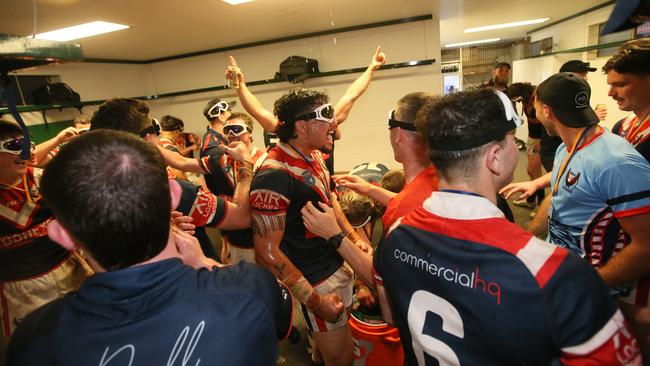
(336, 240)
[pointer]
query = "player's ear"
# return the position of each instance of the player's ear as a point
(60, 235)
(175, 192)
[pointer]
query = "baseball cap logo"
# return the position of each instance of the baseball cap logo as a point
(582, 99)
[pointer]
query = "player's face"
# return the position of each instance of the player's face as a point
(13, 167)
(541, 117)
(511, 157)
(631, 92)
(321, 134)
(501, 75)
(244, 137)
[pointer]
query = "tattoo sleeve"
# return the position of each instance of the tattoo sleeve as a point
(263, 225)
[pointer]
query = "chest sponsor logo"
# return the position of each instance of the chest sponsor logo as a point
(267, 200)
(454, 276)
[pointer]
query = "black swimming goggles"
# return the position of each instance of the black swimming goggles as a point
(154, 129)
(393, 123)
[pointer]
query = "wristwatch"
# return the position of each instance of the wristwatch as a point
(336, 240)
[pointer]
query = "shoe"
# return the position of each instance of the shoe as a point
(523, 203)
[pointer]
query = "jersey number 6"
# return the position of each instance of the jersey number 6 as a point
(421, 303)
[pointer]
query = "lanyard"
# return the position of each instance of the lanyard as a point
(460, 192)
(322, 178)
(632, 132)
(565, 163)
(25, 189)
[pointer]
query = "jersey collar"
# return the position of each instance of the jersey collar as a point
(461, 206)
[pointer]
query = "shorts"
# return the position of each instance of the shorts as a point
(21, 297)
(532, 146)
(340, 283)
(237, 254)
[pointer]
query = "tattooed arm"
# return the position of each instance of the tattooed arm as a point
(268, 230)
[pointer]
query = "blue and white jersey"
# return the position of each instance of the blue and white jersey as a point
(467, 287)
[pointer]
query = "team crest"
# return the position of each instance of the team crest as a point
(570, 180)
(308, 178)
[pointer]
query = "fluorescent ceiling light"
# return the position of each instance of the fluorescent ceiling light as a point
(505, 25)
(236, 2)
(81, 31)
(473, 42)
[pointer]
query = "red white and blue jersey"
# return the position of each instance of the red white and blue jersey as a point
(467, 287)
(636, 132)
(283, 184)
(605, 180)
(25, 249)
(210, 159)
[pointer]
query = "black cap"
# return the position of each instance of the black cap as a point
(576, 66)
(503, 64)
(568, 94)
(619, 19)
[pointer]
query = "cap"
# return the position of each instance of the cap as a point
(503, 64)
(576, 66)
(619, 19)
(568, 94)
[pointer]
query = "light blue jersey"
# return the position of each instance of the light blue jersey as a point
(605, 180)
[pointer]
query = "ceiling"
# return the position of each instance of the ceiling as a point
(161, 28)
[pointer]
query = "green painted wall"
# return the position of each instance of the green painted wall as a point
(40, 133)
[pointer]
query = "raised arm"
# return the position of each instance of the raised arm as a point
(239, 215)
(250, 103)
(358, 87)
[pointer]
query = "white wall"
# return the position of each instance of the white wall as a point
(365, 136)
(571, 34)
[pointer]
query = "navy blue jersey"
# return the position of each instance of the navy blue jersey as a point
(467, 287)
(283, 184)
(164, 313)
(210, 156)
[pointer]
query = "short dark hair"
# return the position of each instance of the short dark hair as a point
(293, 104)
(110, 190)
(171, 123)
(9, 129)
(122, 114)
(523, 90)
(632, 58)
(459, 116)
